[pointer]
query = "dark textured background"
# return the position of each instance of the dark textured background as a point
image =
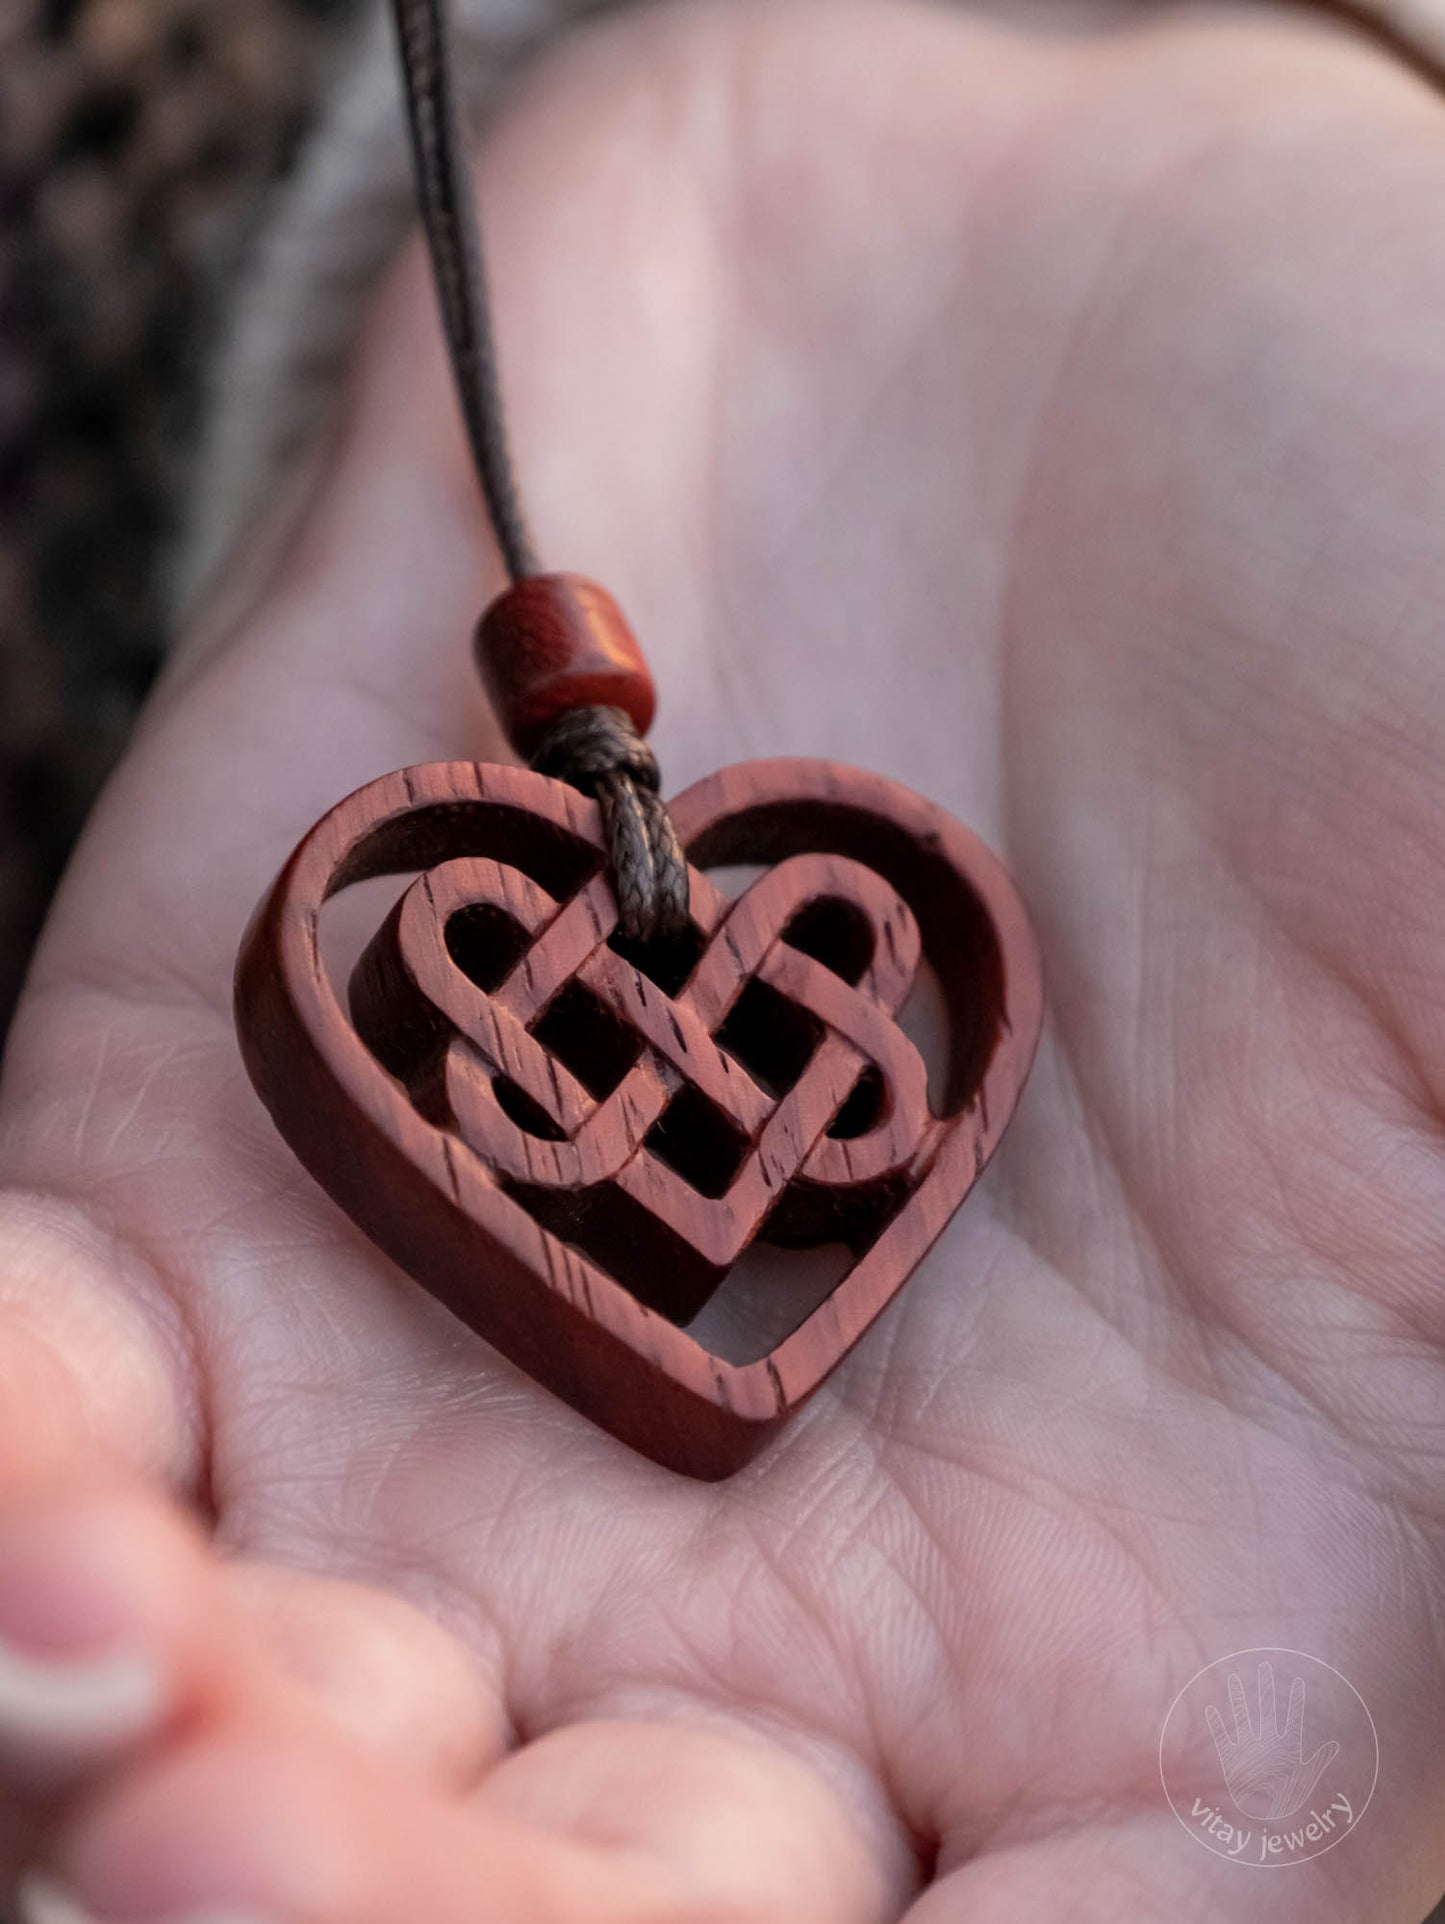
(139, 143)
(139, 140)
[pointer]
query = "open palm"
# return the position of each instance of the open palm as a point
(1057, 423)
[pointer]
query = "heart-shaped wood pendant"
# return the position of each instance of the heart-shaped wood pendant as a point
(570, 1144)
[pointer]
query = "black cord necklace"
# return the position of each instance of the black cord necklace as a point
(595, 745)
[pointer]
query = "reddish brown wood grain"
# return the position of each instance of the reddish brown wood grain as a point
(552, 643)
(570, 1145)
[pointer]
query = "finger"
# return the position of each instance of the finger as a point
(737, 1819)
(1242, 1728)
(1268, 1724)
(1215, 1724)
(273, 1829)
(385, 1673)
(113, 1629)
(108, 1625)
(282, 1832)
(93, 1367)
(106, 1622)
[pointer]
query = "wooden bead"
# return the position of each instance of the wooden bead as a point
(557, 642)
(571, 1146)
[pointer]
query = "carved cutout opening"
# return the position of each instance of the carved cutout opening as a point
(834, 932)
(486, 943)
(772, 1038)
(863, 1110)
(588, 1038)
(696, 1140)
(765, 1295)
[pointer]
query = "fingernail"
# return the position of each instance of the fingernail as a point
(40, 1899)
(76, 1701)
(76, 1670)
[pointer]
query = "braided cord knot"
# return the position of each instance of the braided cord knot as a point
(598, 750)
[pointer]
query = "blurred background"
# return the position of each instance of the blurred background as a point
(139, 142)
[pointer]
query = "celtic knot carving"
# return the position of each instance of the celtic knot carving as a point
(571, 1143)
(749, 1142)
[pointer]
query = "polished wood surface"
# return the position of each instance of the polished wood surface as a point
(570, 1143)
(552, 643)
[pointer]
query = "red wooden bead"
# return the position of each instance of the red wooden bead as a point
(552, 643)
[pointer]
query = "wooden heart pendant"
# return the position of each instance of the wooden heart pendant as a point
(571, 1143)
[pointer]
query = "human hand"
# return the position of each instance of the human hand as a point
(1055, 422)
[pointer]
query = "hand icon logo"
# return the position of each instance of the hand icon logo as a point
(1265, 1768)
